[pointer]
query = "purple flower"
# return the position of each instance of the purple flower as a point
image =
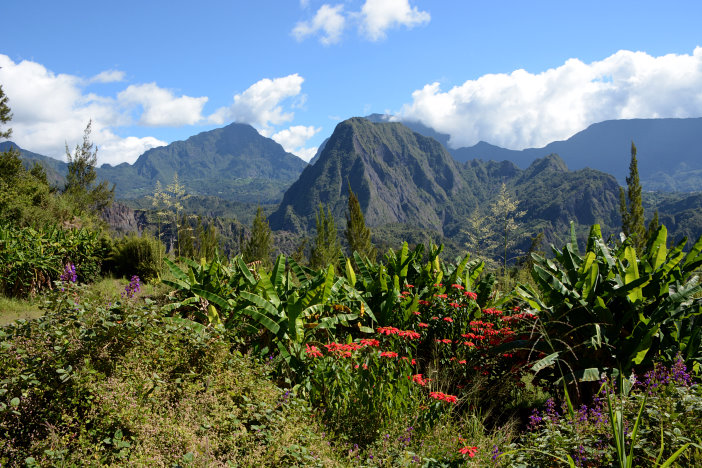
(132, 288)
(69, 273)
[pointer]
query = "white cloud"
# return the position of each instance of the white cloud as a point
(522, 109)
(374, 19)
(329, 19)
(293, 140)
(51, 110)
(161, 107)
(377, 16)
(108, 76)
(115, 150)
(260, 105)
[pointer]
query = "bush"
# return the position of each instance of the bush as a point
(134, 255)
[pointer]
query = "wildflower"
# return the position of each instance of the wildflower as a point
(69, 273)
(312, 351)
(448, 319)
(444, 397)
(469, 450)
(370, 342)
(423, 325)
(418, 379)
(389, 354)
(471, 295)
(132, 288)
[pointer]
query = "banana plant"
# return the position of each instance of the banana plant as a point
(294, 307)
(622, 309)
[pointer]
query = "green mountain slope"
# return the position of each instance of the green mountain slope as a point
(234, 162)
(399, 177)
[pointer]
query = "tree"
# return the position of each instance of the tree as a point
(80, 181)
(5, 115)
(357, 233)
(258, 246)
(632, 212)
(326, 247)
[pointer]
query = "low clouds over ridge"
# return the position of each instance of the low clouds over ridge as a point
(522, 109)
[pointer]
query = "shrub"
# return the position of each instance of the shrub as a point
(141, 256)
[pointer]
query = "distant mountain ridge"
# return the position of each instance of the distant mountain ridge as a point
(669, 150)
(233, 162)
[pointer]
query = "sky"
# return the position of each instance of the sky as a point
(513, 73)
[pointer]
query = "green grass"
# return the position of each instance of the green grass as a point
(15, 309)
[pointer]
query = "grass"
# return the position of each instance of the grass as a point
(16, 309)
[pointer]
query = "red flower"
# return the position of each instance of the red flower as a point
(468, 450)
(471, 295)
(448, 319)
(457, 286)
(369, 342)
(389, 354)
(423, 325)
(313, 351)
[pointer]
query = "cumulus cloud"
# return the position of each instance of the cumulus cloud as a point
(377, 16)
(294, 139)
(108, 76)
(161, 107)
(523, 109)
(374, 19)
(328, 19)
(260, 105)
(51, 110)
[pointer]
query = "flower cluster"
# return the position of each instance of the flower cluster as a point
(444, 397)
(469, 450)
(132, 288)
(412, 335)
(69, 273)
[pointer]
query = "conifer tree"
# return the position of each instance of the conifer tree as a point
(326, 247)
(5, 115)
(632, 209)
(80, 181)
(358, 235)
(258, 246)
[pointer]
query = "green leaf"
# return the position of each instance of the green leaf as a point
(545, 362)
(350, 274)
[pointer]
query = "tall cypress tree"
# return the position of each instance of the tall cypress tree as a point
(326, 247)
(632, 212)
(357, 233)
(258, 246)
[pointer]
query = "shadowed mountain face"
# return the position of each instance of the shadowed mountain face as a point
(399, 177)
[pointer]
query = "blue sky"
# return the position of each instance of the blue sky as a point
(512, 73)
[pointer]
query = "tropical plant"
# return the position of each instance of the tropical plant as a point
(623, 309)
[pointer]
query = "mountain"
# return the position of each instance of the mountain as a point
(669, 150)
(234, 162)
(56, 170)
(399, 176)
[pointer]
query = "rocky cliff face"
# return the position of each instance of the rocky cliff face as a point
(124, 220)
(398, 176)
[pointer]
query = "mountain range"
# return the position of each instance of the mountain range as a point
(408, 179)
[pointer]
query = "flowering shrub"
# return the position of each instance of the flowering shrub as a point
(673, 407)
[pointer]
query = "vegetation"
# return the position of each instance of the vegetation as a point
(258, 247)
(326, 248)
(633, 224)
(358, 235)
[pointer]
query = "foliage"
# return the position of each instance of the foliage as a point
(80, 181)
(258, 246)
(632, 212)
(122, 385)
(137, 255)
(326, 248)
(358, 235)
(5, 114)
(31, 260)
(649, 422)
(609, 309)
